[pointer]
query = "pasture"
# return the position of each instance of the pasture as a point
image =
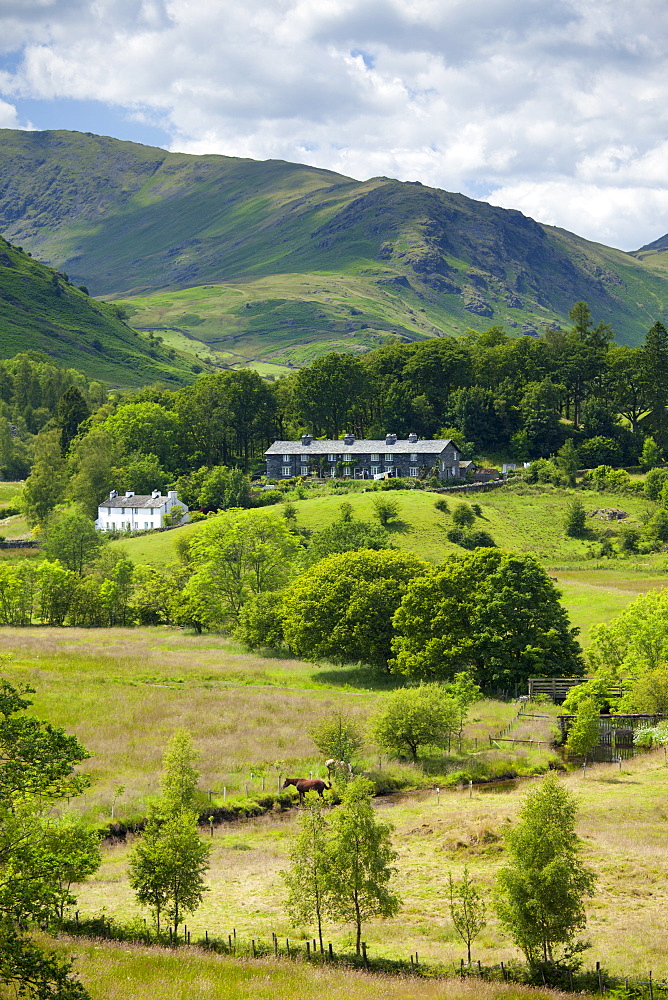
(433, 838)
(125, 691)
(122, 972)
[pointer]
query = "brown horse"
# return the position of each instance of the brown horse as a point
(304, 785)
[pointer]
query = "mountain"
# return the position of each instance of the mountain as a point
(278, 262)
(41, 309)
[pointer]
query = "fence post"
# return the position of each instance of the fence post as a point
(461, 967)
(229, 941)
(598, 974)
(275, 945)
(253, 946)
(503, 972)
(364, 958)
(331, 952)
(287, 946)
(651, 987)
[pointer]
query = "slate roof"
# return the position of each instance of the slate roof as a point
(136, 501)
(359, 447)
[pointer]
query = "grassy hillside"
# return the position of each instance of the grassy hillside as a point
(529, 519)
(282, 261)
(40, 309)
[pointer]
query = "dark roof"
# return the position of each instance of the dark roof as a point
(135, 501)
(359, 447)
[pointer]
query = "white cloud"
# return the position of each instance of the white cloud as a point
(558, 107)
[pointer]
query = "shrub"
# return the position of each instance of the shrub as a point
(463, 515)
(385, 510)
(628, 538)
(576, 519)
(657, 526)
(606, 479)
(442, 505)
(471, 539)
(267, 498)
(655, 481)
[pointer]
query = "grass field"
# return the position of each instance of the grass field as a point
(125, 691)
(433, 838)
(121, 972)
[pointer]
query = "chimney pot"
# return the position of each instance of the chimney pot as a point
(412, 438)
(390, 439)
(129, 493)
(307, 438)
(349, 439)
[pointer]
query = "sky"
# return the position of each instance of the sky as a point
(558, 108)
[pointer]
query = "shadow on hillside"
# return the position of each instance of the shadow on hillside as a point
(398, 527)
(358, 676)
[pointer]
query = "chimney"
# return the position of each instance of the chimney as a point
(390, 439)
(172, 495)
(349, 439)
(307, 438)
(412, 438)
(129, 493)
(113, 494)
(154, 494)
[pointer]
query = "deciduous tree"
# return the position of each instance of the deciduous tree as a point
(543, 888)
(361, 861)
(412, 718)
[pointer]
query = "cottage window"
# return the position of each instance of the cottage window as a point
(304, 470)
(287, 470)
(332, 458)
(346, 471)
(375, 470)
(414, 457)
(414, 472)
(389, 459)
(287, 458)
(332, 471)
(145, 524)
(375, 458)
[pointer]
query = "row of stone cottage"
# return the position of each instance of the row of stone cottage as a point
(410, 458)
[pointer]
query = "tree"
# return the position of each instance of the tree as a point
(168, 864)
(543, 888)
(326, 390)
(71, 537)
(360, 861)
(308, 875)
(575, 522)
(493, 612)
(45, 486)
(167, 867)
(37, 768)
(142, 474)
(260, 621)
(585, 732)
(71, 854)
(346, 536)
(145, 428)
(651, 454)
(385, 509)
(178, 782)
(71, 411)
(234, 557)
(568, 461)
(338, 737)
(93, 461)
(655, 371)
(414, 717)
(467, 909)
(342, 607)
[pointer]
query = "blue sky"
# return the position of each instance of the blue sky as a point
(558, 108)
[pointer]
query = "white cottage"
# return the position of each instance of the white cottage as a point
(134, 512)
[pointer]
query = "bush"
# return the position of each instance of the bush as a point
(471, 539)
(600, 450)
(544, 471)
(8, 512)
(267, 498)
(628, 538)
(576, 519)
(655, 481)
(463, 515)
(442, 505)
(606, 479)
(385, 510)
(657, 526)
